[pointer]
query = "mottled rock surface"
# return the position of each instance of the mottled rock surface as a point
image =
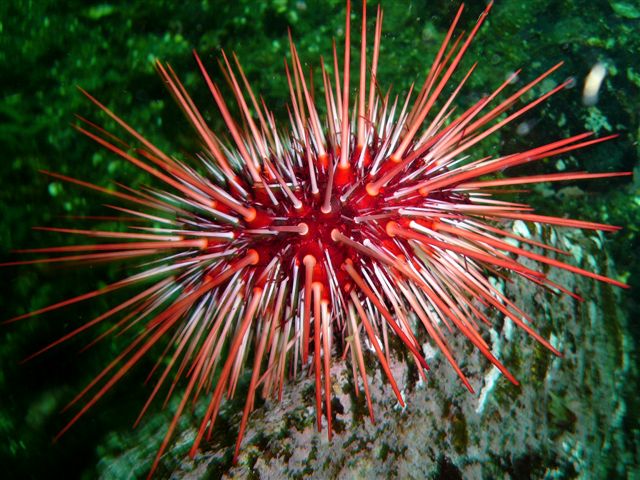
(563, 421)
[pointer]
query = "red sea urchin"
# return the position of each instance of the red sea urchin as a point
(282, 250)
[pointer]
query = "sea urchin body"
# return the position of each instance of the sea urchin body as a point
(280, 251)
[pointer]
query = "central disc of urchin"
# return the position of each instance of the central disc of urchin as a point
(313, 230)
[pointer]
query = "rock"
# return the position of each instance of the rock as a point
(564, 420)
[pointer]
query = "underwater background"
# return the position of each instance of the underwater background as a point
(48, 48)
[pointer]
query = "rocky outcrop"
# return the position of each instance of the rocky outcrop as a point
(564, 420)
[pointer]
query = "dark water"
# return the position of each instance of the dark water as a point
(48, 48)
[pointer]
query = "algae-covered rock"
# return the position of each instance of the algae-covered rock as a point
(565, 420)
